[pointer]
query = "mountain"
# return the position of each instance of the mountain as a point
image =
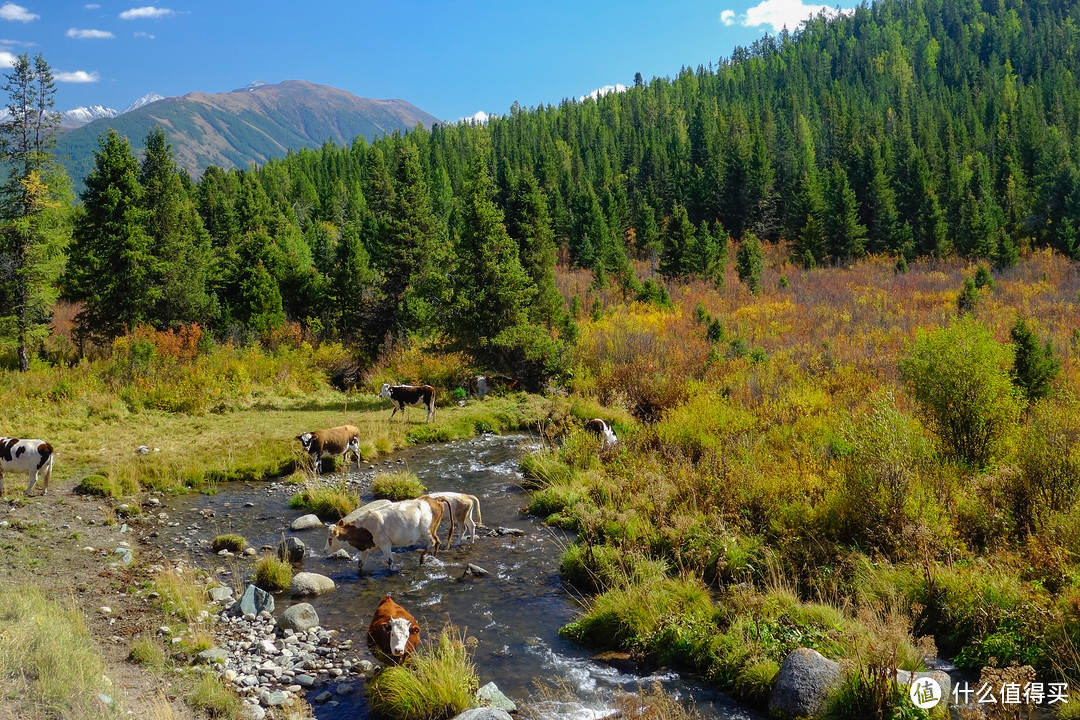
(144, 100)
(77, 117)
(244, 126)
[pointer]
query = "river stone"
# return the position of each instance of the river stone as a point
(322, 697)
(309, 583)
(214, 655)
(220, 593)
(804, 682)
(305, 680)
(126, 557)
(485, 713)
(492, 696)
(291, 549)
(306, 522)
(253, 601)
(905, 679)
(254, 712)
(299, 618)
(341, 554)
(275, 698)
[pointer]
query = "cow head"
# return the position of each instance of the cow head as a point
(400, 630)
(385, 392)
(305, 440)
(335, 538)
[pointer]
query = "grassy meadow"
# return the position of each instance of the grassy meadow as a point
(787, 477)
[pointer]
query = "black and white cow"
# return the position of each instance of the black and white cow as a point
(601, 429)
(28, 456)
(403, 395)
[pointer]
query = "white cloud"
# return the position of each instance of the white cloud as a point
(6, 59)
(602, 91)
(89, 34)
(91, 6)
(477, 118)
(78, 76)
(5, 41)
(142, 34)
(147, 12)
(17, 13)
(779, 14)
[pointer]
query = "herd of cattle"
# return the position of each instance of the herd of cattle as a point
(376, 527)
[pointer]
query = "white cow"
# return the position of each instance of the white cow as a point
(463, 505)
(28, 456)
(409, 522)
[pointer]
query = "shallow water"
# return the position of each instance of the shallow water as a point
(515, 612)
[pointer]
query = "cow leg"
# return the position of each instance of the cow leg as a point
(318, 464)
(394, 412)
(32, 480)
(1, 483)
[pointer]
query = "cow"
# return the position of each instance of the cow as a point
(602, 430)
(28, 456)
(404, 395)
(478, 386)
(393, 632)
(409, 522)
(463, 506)
(338, 440)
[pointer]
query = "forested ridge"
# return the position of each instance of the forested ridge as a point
(906, 128)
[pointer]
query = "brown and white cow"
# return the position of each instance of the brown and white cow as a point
(393, 632)
(463, 506)
(338, 440)
(403, 395)
(602, 430)
(28, 456)
(400, 524)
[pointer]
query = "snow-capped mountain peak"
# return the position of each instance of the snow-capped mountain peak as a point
(77, 117)
(144, 100)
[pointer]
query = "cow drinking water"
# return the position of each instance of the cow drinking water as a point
(403, 395)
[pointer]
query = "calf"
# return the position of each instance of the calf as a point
(404, 395)
(28, 456)
(332, 441)
(409, 522)
(602, 430)
(462, 506)
(393, 632)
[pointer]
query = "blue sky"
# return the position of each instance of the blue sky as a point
(451, 59)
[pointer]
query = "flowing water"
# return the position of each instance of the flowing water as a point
(515, 612)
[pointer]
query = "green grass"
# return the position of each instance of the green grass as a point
(182, 594)
(148, 652)
(231, 542)
(102, 486)
(211, 696)
(272, 574)
(47, 657)
(397, 485)
(329, 503)
(438, 682)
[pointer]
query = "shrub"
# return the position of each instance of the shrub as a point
(397, 485)
(211, 696)
(968, 299)
(329, 503)
(102, 486)
(230, 542)
(750, 262)
(147, 651)
(272, 574)
(439, 681)
(958, 375)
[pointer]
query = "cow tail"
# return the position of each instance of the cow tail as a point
(476, 504)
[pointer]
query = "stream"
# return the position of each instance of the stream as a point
(514, 613)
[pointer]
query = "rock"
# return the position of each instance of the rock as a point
(475, 570)
(125, 555)
(253, 601)
(305, 680)
(344, 689)
(308, 583)
(486, 713)
(804, 682)
(621, 661)
(905, 679)
(322, 697)
(220, 593)
(306, 522)
(299, 618)
(275, 698)
(509, 531)
(341, 554)
(213, 655)
(104, 609)
(291, 549)
(142, 450)
(492, 696)
(254, 712)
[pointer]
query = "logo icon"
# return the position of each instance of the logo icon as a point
(925, 693)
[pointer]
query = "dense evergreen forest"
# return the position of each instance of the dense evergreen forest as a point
(908, 128)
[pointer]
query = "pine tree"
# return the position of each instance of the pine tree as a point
(109, 263)
(1034, 367)
(677, 240)
(528, 223)
(846, 236)
(750, 262)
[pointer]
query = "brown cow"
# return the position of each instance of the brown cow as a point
(393, 632)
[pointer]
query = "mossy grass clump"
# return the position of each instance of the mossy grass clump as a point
(438, 681)
(229, 541)
(329, 503)
(398, 485)
(105, 486)
(148, 652)
(272, 574)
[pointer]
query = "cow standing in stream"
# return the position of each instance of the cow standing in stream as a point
(403, 395)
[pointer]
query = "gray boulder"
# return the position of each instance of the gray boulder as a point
(253, 601)
(491, 696)
(308, 583)
(221, 593)
(291, 549)
(484, 713)
(306, 522)
(804, 682)
(905, 679)
(299, 618)
(213, 655)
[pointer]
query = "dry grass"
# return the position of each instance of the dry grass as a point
(183, 594)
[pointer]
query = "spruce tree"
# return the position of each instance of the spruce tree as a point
(750, 262)
(1034, 366)
(528, 223)
(678, 240)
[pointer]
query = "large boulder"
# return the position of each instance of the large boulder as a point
(306, 522)
(291, 549)
(484, 713)
(254, 601)
(299, 618)
(309, 583)
(905, 679)
(804, 682)
(491, 696)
